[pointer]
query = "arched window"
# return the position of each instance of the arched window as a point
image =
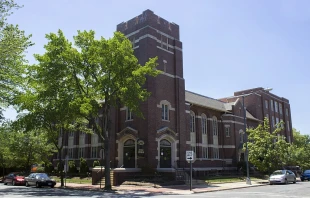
(214, 126)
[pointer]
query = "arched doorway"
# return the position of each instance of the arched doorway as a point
(165, 154)
(129, 154)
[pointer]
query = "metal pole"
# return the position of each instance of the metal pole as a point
(248, 180)
(190, 181)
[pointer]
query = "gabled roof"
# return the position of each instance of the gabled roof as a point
(204, 101)
(212, 103)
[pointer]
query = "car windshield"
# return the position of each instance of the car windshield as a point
(279, 172)
(307, 172)
(42, 176)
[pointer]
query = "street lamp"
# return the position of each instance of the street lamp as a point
(248, 180)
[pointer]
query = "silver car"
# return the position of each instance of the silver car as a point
(282, 177)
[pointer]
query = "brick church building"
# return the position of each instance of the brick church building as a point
(175, 119)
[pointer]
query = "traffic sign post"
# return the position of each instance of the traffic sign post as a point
(190, 158)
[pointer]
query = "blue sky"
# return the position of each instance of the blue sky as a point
(228, 45)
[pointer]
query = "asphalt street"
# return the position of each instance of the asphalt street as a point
(298, 190)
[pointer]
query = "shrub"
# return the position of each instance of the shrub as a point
(96, 163)
(72, 167)
(83, 166)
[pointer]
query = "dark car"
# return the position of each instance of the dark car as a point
(305, 175)
(14, 179)
(39, 180)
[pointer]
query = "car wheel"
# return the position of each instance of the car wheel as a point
(286, 182)
(27, 185)
(301, 180)
(4, 183)
(38, 185)
(270, 183)
(52, 186)
(13, 183)
(294, 182)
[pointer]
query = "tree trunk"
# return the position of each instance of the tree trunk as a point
(107, 165)
(61, 169)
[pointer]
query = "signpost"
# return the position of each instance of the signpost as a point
(190, 158)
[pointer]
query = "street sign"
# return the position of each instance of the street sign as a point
(190, 155)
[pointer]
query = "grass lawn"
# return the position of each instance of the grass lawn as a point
(76, 180)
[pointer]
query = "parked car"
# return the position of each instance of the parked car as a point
(14, 179)
(282, 177)
(305, 175)
(39, 180)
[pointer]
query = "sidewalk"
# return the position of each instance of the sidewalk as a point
(171, 190)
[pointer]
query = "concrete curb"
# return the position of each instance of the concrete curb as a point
(165, 193)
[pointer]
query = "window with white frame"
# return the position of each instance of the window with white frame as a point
(227, 131)
(273, 121)
(280, 109)
(276, 106)
(70, 153)
(271, 105)
(216, 154)
(94, 152)
(204, 124)
(288, 125)
(94, 138)
(204, 129)
(281, 123)
(81, 152)
(164, 112)
(71, 133)
(128, 114)
(214, 126)
(205, 152)
(241, 134)
(266, 104)
(277, 122)
(286, 111)
(192, 122)
(193, 148)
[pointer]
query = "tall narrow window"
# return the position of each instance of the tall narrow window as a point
(241, 134)
(192, 122)
(204, 152)
(165, 112)
(216, 154)
(276, 106)
(267, 116)
(286, 111)
(204, 124)
(280, 108)
(167, 43)
(277, 122)
(288, 125)
(204, 129)
(81, 152)
(214, 125)
(128, 114)
(94, 152)
(133, 42)
(165, 65)
(227, 131)
(266, 104)
(273, 121)
(271, 105)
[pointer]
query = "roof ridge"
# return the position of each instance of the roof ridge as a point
(206, 96)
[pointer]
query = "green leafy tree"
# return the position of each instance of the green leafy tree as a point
(13, 43)
(267, 151)
(98, 74)
(299, 151)
(5, 156)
